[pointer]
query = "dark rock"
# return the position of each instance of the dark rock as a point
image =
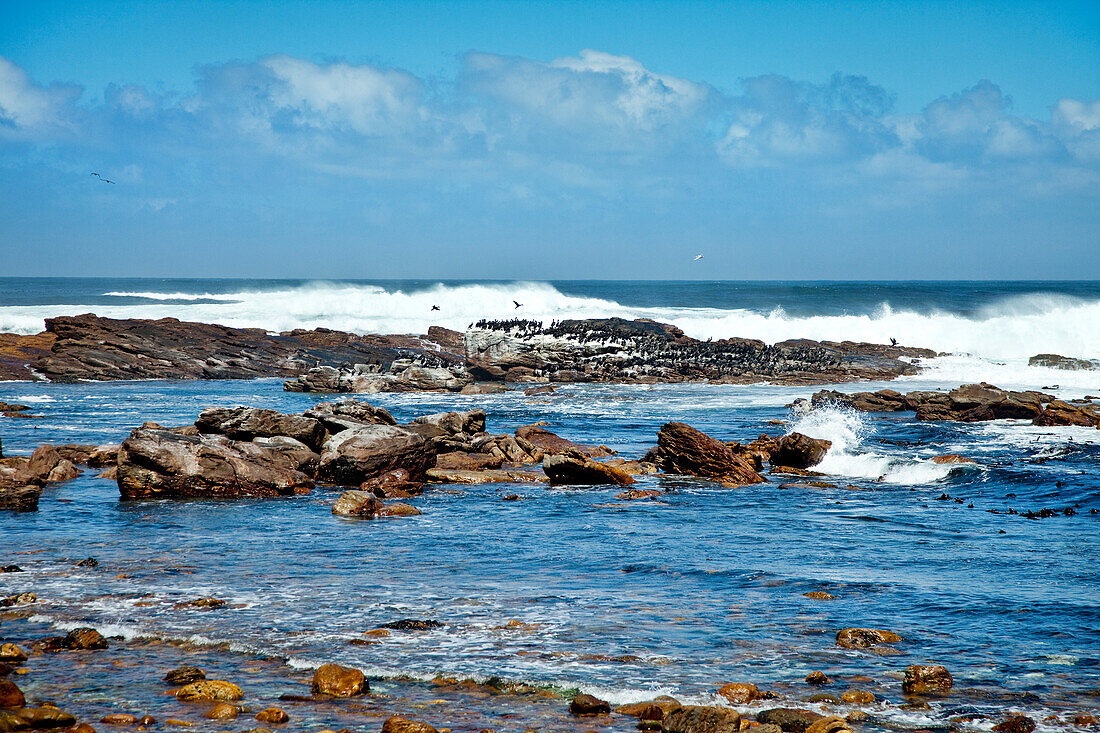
(1057, 361)
(202, 603)
(184, 675)
(799, 451)
(923, 679)
(10, 569)
(20, 498)
(791, 720)
(684, 450)
(853, 638)
(408, 624)
(155, 464)
(574, 468)
(272, 715)
(363, 504)
(701, 719)
(45, 717)
(332, 679)
(393, 484)
(426, 372)
(817, 677)
(85, 638)
(589, 705)
(10, 695)
(550, 443)
(1058, 412)
(1015, 724)
(88, 562)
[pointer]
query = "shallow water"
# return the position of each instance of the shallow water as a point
(623, 600)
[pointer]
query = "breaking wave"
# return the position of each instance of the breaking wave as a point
(1000, 335)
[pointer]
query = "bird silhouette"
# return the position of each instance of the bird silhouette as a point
(435, 307)
(102, 178)
(893, 342)
(518, 304)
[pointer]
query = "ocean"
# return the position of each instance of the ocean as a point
(624, 600)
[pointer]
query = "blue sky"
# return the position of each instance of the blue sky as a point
(551, 140)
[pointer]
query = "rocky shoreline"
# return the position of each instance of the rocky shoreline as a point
(91, 348)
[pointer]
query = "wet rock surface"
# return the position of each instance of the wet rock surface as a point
(684, 450)
(339, 681)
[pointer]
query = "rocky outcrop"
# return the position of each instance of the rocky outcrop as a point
(352, 456)
(402, 377)
(248, 423)
(1057, 361)
(158, 463)
(684, 450)
(338, 681)
(549, 442)
(926, 679)
(969, 403)
(643, 351)
(701, 719)
(799, 451)
(574, 468)
(88, 347)
(22, 478)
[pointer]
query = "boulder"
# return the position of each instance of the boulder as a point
(491, 476)
(589, 705)
(352, 456)
(247, 423)
(184, 675)
(549, 442)
(790, 720)
(799, 451)
(574, 468)
(349, 412)
(332, 679)
(22, 498)
(469, 422)
(393, 484)
(701, 719)
(740, 693)
(12, 653)
(1015, 724)
(119, 719)
(817, 677)
(10, 695)
(85, 638)
(210, 691)
(272, 715)
(1058, 412)
(157, 463)
(853, 638)
(684, 450)
(1057, 361)
(463, 461)
(362, 504)
(923, 679)
(832, 724)
(43, 717)
(223, 711)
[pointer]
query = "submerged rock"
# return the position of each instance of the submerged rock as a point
(791, 720)
(85, 638)
(921, 679)
(184, 675)
(397, 724)
(10, 695)
(589, 705)
(853, 638)
(701, 719)
(210, 691)
(740, 693)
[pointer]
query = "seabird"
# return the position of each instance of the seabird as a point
(893, 342)
(518, 304)
(435, 307)
(697, 258)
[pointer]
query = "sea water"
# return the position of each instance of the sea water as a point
(626, 600)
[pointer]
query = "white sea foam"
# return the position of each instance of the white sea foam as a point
(993, 344)
(849, 455)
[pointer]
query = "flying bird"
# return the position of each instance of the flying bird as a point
(102, 178)
(893, 342)
(518, 304)
(435, 307)
(697, 258)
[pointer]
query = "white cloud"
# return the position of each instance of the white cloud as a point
(28, 110)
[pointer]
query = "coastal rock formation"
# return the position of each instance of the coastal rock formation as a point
(158, 463)
(548, 442)
(573, 467)
(248, 423)
(23, 477)
(683, 449)
(799, 451)
(701, 719)
(89, 347)
(367, 379)
(644, 351)
(352, 456)
(969, 403)
(1057, 361)
(923, 679)
(332, 679)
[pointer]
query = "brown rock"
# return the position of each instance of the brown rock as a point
(393, 484)
(550, 443)
(1015, 724)
(571, 467)
(683, 449)
(701, 719)
(249, 423)
(147, 720)
(952, 458)
(119, 719)
(817, 677)
(45, 717)
(332, 679)
(202, 603)
(357, 504)
(398, 509)
(12, 653)
(926, 680)
(820, 595)
(21, 498)
(210, 691)
(589, 705)
(799, 451)
(397, 724)
(85, 638)
(740, 693)
(791, 720)
(457, 476)
(636, 494)
(10, 695)
(223, 711)
(184, 675)
(853, 638)
(858, 696)
(829, 725)
(467, 461)
(1063, 413)
(272, 715)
